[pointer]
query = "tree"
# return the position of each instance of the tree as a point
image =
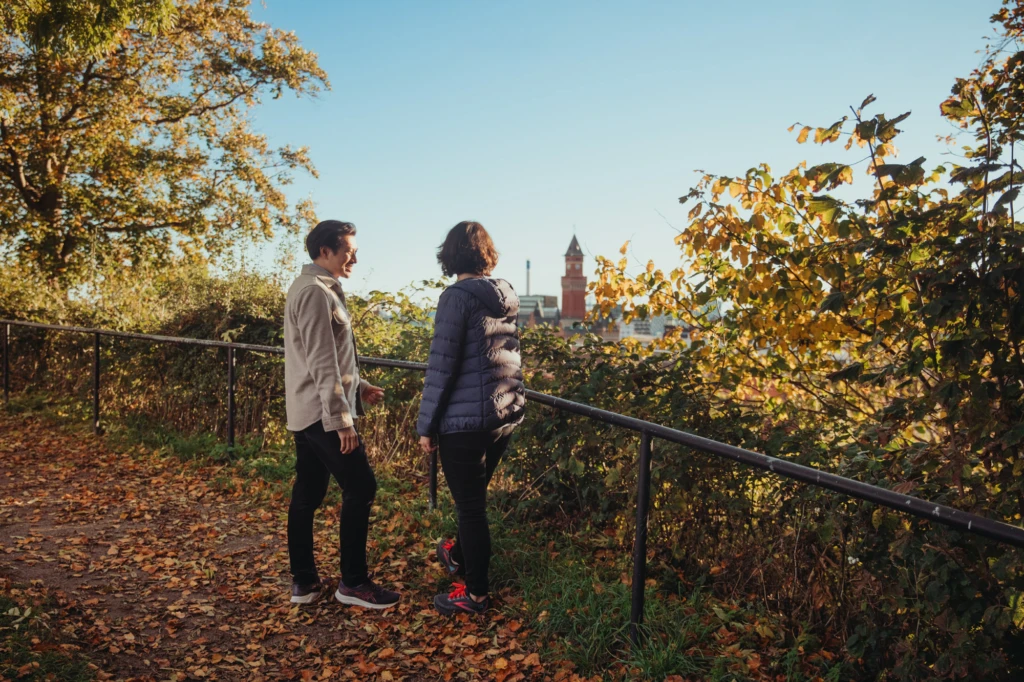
(123, 130)
(901, 308)
(893, 323)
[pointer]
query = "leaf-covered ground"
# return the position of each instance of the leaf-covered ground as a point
(154, 571)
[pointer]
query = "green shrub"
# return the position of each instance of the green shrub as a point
(907, 599)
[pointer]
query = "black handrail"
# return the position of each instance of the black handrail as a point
(931, 511)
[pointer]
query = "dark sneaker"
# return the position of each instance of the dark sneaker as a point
(459, 601)
(306, 594)
(369, 595)
(444, 555)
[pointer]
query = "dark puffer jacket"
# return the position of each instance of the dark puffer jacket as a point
(474, 374)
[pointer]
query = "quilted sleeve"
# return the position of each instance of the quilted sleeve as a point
(445, 359)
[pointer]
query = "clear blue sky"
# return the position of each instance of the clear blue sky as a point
(532, 117)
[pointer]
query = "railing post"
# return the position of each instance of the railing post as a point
(643, 501)
(433, 477)
(7, 368)
(231, 397)
(96, 384)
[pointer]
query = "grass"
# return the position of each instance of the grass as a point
(578, 604)
(584, 610)
(28, 650)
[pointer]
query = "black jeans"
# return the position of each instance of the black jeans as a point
(318, 456)
(469, 460)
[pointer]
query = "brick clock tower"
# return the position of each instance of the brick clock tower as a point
(574, 284)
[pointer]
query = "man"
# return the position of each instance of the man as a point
(323, 400)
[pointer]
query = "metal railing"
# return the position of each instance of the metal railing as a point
(937, 513)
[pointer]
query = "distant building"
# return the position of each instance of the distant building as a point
(608, 327)
(643, 330)
(538, 309)
(535, 309)
(574, 286)
(531, 301)
(655, 327)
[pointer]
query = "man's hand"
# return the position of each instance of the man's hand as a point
(371, 394)
(349, 440)
(427, 445)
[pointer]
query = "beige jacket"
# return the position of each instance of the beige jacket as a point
(321, 368)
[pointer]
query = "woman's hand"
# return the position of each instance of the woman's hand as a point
(427, 445)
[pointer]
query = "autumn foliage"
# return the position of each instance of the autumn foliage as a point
(884, 317)
(125, 134)
(862, 316)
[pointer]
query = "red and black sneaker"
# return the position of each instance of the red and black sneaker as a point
(369, 595)
(444, 556)
(459, 601)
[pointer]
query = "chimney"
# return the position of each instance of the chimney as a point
(527, 278)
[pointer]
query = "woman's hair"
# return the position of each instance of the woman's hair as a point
(467, 249)
(327, 233)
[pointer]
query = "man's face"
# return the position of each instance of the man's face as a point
(341, 262)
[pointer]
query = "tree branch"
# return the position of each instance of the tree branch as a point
(87, 77)
(140, 227)
(193, 111)
(16, 171)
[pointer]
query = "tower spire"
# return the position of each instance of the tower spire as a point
(574, 283)
(574, 248)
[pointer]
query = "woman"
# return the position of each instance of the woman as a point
(473, 399)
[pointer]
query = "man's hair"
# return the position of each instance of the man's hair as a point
(467, 249)
(327, 233)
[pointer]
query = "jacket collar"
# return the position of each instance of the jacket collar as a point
(323, 274)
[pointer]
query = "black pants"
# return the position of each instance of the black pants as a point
(469, 460)
(318, 456)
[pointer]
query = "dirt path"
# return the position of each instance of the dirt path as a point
(162, 575)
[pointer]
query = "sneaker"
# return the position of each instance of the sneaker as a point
(459, 601)
(369, 595)
(306, 594)
(444, 555)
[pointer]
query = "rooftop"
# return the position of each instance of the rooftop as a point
(574, 248)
